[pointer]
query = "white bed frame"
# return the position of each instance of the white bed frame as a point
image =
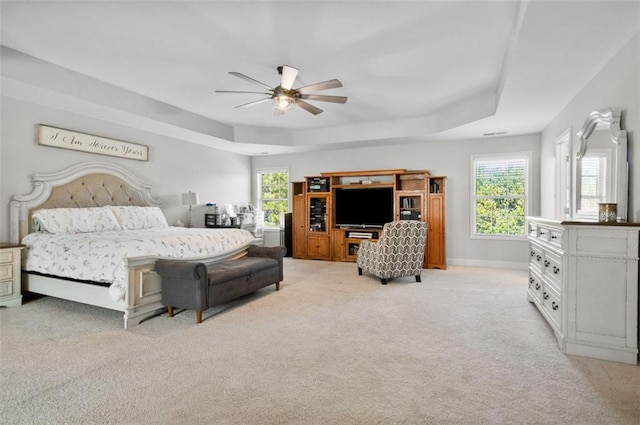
(95, 184)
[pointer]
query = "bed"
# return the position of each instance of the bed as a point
(104, 190)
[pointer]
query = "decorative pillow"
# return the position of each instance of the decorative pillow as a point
(136, 218)
(74, 220)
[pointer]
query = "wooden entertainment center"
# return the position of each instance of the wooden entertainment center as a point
(417, 195)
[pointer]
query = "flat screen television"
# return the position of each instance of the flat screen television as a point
(360, 207)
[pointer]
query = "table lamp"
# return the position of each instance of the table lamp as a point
(191, 199)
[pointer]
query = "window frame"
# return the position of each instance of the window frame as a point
(514, 156)
(269, 170)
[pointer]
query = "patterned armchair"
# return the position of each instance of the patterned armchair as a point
(399, 251)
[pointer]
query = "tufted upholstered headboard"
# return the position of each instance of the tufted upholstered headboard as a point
(91, 184)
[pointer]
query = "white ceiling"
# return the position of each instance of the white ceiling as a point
(413, 71)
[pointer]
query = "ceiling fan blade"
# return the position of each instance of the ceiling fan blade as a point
(255, 102)
(324, 98)
(236, 91)
(325, 85)
(289, 75)
(308, 107)
(251, 80)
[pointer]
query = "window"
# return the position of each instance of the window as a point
(500, 196)
(273, 194)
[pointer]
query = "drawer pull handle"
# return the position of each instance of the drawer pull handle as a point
(531, 280)
(533, 253)
(554, 305)
(538, 258)
(554, 237)
(537, 286)
(545, 295)
(546, 263)
(543, 233)
(556, 270)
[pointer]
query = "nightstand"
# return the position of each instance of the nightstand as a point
(10, 283)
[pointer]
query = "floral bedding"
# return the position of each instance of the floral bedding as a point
(99, 256)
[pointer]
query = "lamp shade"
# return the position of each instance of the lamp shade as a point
(190, 198)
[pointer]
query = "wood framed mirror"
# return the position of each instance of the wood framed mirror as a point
(601, 167)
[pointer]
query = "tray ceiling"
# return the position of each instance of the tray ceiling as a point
(413, 71)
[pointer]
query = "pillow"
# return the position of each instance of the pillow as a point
(74, 220)
(137, 218)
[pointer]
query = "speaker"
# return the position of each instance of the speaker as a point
(286, 232)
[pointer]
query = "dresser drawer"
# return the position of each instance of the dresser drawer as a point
(532, 229)
(551, 303)
(535, 286)
(6, 257)
(543, 233)
(552, 269)
(6, 287)
(535, 257)
(6, 271)
(556, 237)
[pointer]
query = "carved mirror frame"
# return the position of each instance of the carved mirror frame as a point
(604, 119)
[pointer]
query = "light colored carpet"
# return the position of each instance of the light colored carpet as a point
(331, 347)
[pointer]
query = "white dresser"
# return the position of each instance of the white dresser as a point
(583, 277)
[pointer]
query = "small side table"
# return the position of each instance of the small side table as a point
(10, 282)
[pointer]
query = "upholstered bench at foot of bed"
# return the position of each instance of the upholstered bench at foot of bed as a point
(198, 286)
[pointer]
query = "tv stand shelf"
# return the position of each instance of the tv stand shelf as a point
(346, 242)
(324, 231)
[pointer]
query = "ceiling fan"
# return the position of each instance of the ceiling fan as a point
(285, 97)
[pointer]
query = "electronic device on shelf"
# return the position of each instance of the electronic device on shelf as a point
(318, 184)
(360, 235)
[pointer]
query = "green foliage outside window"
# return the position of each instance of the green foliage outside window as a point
(500, 204)
(273, 196)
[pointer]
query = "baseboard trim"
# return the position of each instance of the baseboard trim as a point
(488, 264)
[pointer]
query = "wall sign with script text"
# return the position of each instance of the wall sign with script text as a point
(60, 138)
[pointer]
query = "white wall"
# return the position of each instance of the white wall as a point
(616, 85)
(174, 166)
(448, 158)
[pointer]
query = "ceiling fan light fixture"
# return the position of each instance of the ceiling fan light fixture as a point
(283, 102)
